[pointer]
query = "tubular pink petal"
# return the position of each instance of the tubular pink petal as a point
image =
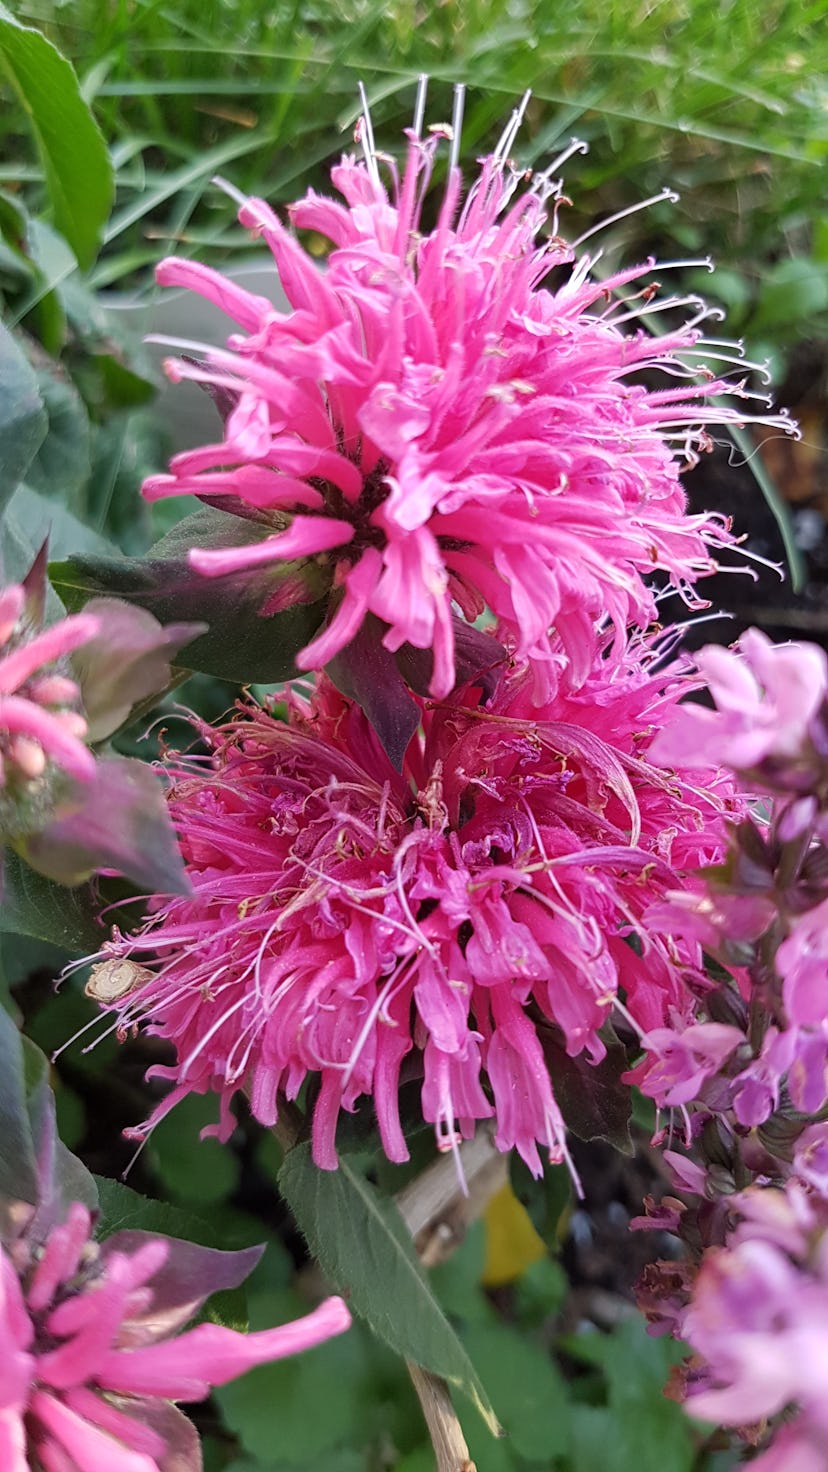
(305, 536)
(60, 1256)
(12, 600)
(243, 306)
(186, 1368)
(360, 583)
(44, 648)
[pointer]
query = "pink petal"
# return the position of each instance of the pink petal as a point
(209, 1355)
(305, 535)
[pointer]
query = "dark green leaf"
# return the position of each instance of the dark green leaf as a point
(193, 1171)
(366, 1253)
(35, 906)
(242, 645)
(34, 1165)
(34, 516)
(594, 1102)
(75, 159)
(23, 419)
(368, 673)
(18, 1161)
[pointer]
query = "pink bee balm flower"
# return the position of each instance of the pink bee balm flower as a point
(444, 924)
(41, 725)
(90, 1356)
(434, 430)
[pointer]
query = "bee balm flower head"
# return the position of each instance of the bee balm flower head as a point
(430, 429)
(451, 926)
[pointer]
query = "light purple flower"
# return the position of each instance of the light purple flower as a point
(802, 962)
(759, 1320)
(678, 1063)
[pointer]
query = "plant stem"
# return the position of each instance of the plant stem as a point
(450, 1449)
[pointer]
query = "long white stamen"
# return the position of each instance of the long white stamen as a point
(544, 178)
(420, 106)
(457, 124)
(666, 194)
(367, 136)
(230, 190)
(510, 132)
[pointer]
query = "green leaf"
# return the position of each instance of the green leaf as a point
(36, 906)
(366, 1253)
(62, 465)
(242, 644)
(528, 1391)
(23, 419)
(594, 1102)
(793, 292)
(31, 514)
(640, 1430)
(300, 1411)
(194, 1171)
(18, 1161)
(34, 1165)
(75, 159)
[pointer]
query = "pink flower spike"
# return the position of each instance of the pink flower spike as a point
(306, 536)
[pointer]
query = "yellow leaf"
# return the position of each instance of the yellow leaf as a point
(511, 1241)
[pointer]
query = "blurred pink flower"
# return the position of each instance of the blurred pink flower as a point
(767, 698)
(90, 1356)
(437, 429)
(759, 1320)
(41, 723)
(345, 915)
